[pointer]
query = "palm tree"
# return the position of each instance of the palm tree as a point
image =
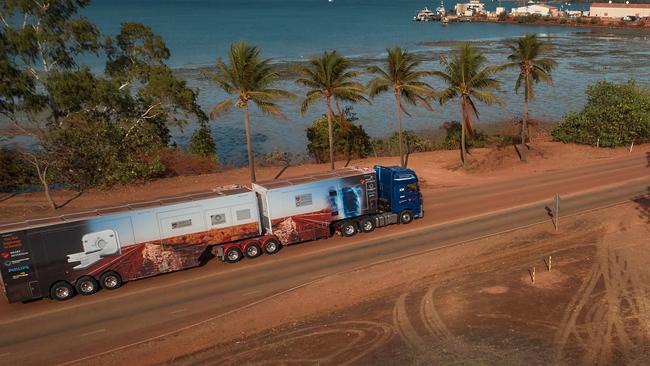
(247, 78)
(329, 77)
(527, 54)
(467, 77)
(400, 76)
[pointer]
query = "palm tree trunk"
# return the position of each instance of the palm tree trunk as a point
(398, 104)
(463, 106)
(524, 129)
(329, 131)
(249, 147)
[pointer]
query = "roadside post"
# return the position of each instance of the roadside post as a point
(556, 213)
(532, 274)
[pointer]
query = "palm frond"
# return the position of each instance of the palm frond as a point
(311, 97)
(221, 108)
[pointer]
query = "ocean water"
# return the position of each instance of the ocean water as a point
(197, 32)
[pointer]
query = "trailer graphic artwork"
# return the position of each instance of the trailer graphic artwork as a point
(79, 252)
(96, 245)
(151, 239)
(301, 211)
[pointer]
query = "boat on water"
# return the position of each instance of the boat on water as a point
(424, 15)
(440, 11)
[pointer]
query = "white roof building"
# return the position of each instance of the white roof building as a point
(539, 9)
(606, 10)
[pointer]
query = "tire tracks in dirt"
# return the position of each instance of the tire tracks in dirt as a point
(609, 316)
(357, 340)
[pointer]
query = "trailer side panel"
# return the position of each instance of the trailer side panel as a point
(302, 211)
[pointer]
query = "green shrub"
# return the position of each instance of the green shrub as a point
(615, 115)
(15, 172)
(88, 151)
(530, 18)
(350, 142)
(563, 21)
(453, 136)
(202, 143)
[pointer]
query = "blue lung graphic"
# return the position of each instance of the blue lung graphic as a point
(352, 201)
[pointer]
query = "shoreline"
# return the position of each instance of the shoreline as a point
(571, 23)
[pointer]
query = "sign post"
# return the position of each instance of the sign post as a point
(556, 214)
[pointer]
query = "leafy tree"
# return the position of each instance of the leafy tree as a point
(16, 172)
(527, 54)
(401, 76)
(248, 78)
(136, 62)
(91, 130)
(351, 140)
(329, 77)
(38, 37)
(467, 77)
(47, 36)
(202, 143)
(614, 115)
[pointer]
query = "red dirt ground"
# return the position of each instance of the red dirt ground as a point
(471, 304)
(437, 170)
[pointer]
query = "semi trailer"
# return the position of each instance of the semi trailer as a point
(82, 252)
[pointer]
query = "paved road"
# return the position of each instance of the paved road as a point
(48, 332)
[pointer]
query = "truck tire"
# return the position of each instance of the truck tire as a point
(272, 246)
(348, 228)
(86, 285)
(367, 225)
(232, 255)
(252, 251)
(406, 217)
(110, 280)
(61, 291)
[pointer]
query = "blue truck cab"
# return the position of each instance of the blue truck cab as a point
(399, 192)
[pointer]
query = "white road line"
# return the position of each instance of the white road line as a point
(177, 311)
(93, 332)
(251, 293)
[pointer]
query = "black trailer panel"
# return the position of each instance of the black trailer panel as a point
(19, 277)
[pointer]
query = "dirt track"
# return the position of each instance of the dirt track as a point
(592, 308)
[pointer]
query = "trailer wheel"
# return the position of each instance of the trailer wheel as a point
(253, 250)
(406, 217)
(110, 280)
(86, 285)
(348, 229)
(232, 255)
(272, 246)
(367, 225)
(61, 291)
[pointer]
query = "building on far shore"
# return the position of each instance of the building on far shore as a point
(614, 10)
(473, 7)
(536, 9)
